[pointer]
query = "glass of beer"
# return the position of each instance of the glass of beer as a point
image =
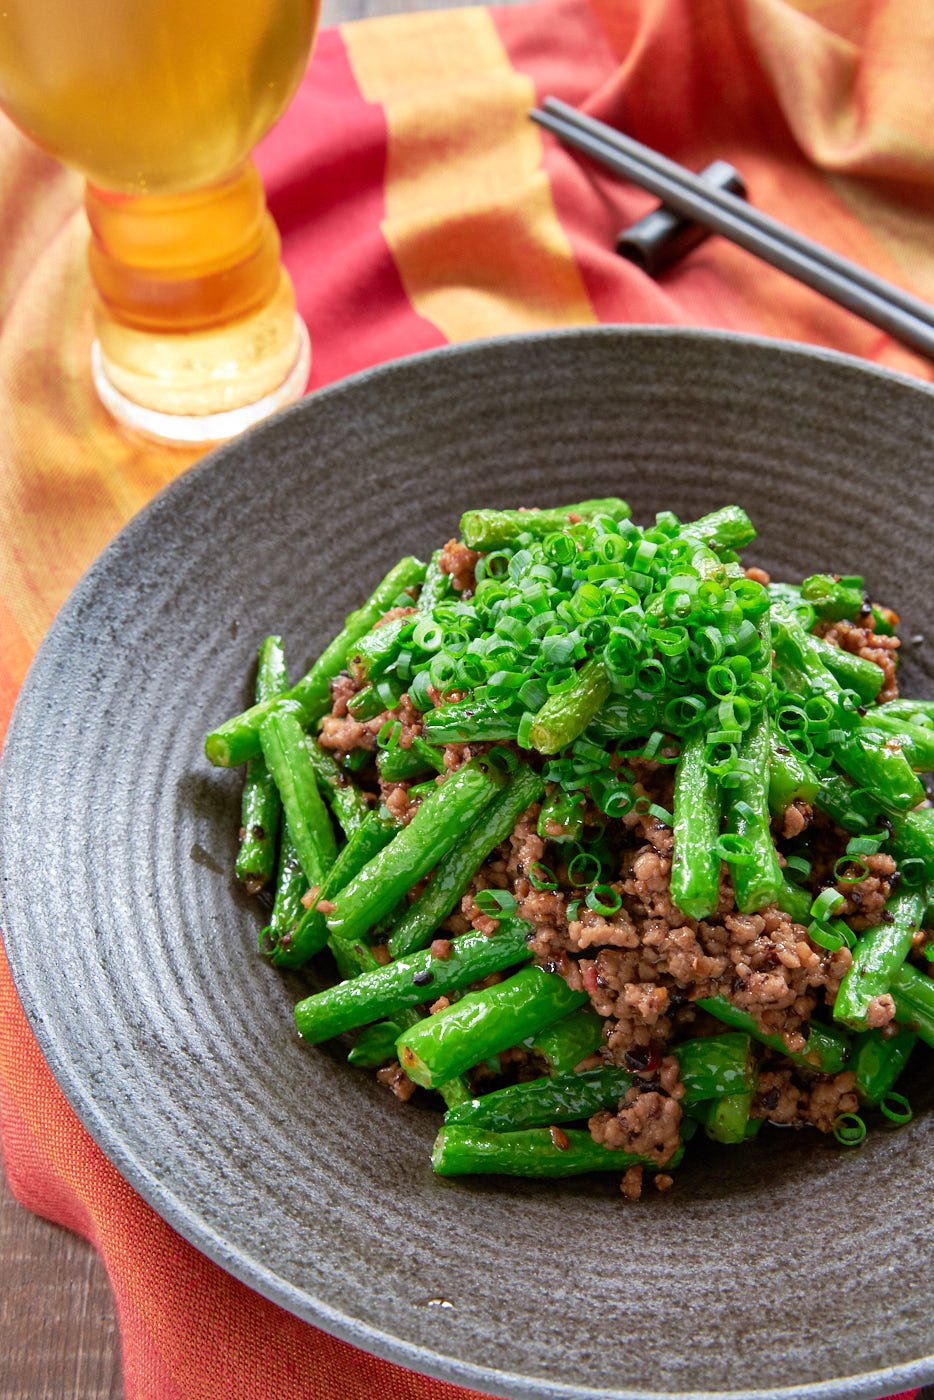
(159, 104)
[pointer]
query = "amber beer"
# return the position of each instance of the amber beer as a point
(159, 103)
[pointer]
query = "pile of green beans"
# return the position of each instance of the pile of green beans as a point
(587, 647)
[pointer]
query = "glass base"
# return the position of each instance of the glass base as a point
(193, 429)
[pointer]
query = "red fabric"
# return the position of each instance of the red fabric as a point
(418, 206)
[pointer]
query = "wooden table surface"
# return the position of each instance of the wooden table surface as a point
(58, 1330)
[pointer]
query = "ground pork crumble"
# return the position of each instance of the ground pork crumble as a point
(645, 967)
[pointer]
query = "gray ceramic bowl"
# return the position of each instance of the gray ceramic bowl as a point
(788, 1268)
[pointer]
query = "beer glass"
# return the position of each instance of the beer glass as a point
(159, 104)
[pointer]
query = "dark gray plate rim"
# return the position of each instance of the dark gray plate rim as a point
(174, 1209)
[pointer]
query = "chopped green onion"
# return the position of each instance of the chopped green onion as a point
(495, 902)
(913, 871)
(864, 845)
(541, 878)
(896, 1107)
(735, 848)
(604, 899)
(847, 871)
(583, 869)
(849, 1129)
(828, 902)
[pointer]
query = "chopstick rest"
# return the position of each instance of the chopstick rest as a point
(657, 240)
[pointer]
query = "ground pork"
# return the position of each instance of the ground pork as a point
(650, 960)
(796, 1098)
(631, 1184)
(880, 1011)
(871, 646)
(396, 1079)
(343, 688)
(459, 563)
(646, 1123)
(342, 733)
(396, 799)
(796, 818)
(865, 901)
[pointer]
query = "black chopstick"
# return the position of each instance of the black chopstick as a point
(628, 145)
(906, 318)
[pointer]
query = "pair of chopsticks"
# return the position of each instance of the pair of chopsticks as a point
(905, 317)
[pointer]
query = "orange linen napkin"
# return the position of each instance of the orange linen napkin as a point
(419, 206)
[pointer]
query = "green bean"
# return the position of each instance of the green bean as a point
(757, 876)
(566, 714)
(407, 982)
(847, 805)
(435, 829)
(376, 1045)
(914, 1002)
(827, 1048)
(283, 743)
(468, 721)
(800, 666)
(308, 933)
(878, 955)
(454, 1091)
(538, 1103)
(260, 808)
(436, 585)
(913, 840)
(885, 772)
(833, 599)
(561, 817)
(917, 711)
(397, 765)
(629, 717)
(695, 870)
(727, 1119)
(290, 888)
(912, 834)
(454, 872)
(727, 529)
(238, 738)
(368, 703)
(567, 1042)
(853, 672)
(879, 1060)
(462, 1150)
(356, 760)
(376, 652)
(483, 1023)
(790, 778)
(786, 601)
(838, 596)
(346, 801)
(713, 1066)
(491, 529)
(794, 900)
(916, 741)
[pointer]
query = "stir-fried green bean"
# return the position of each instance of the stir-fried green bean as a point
(616, 671)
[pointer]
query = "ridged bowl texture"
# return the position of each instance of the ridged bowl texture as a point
(788, 1267)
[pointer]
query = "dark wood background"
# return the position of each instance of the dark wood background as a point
(58, 1330)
